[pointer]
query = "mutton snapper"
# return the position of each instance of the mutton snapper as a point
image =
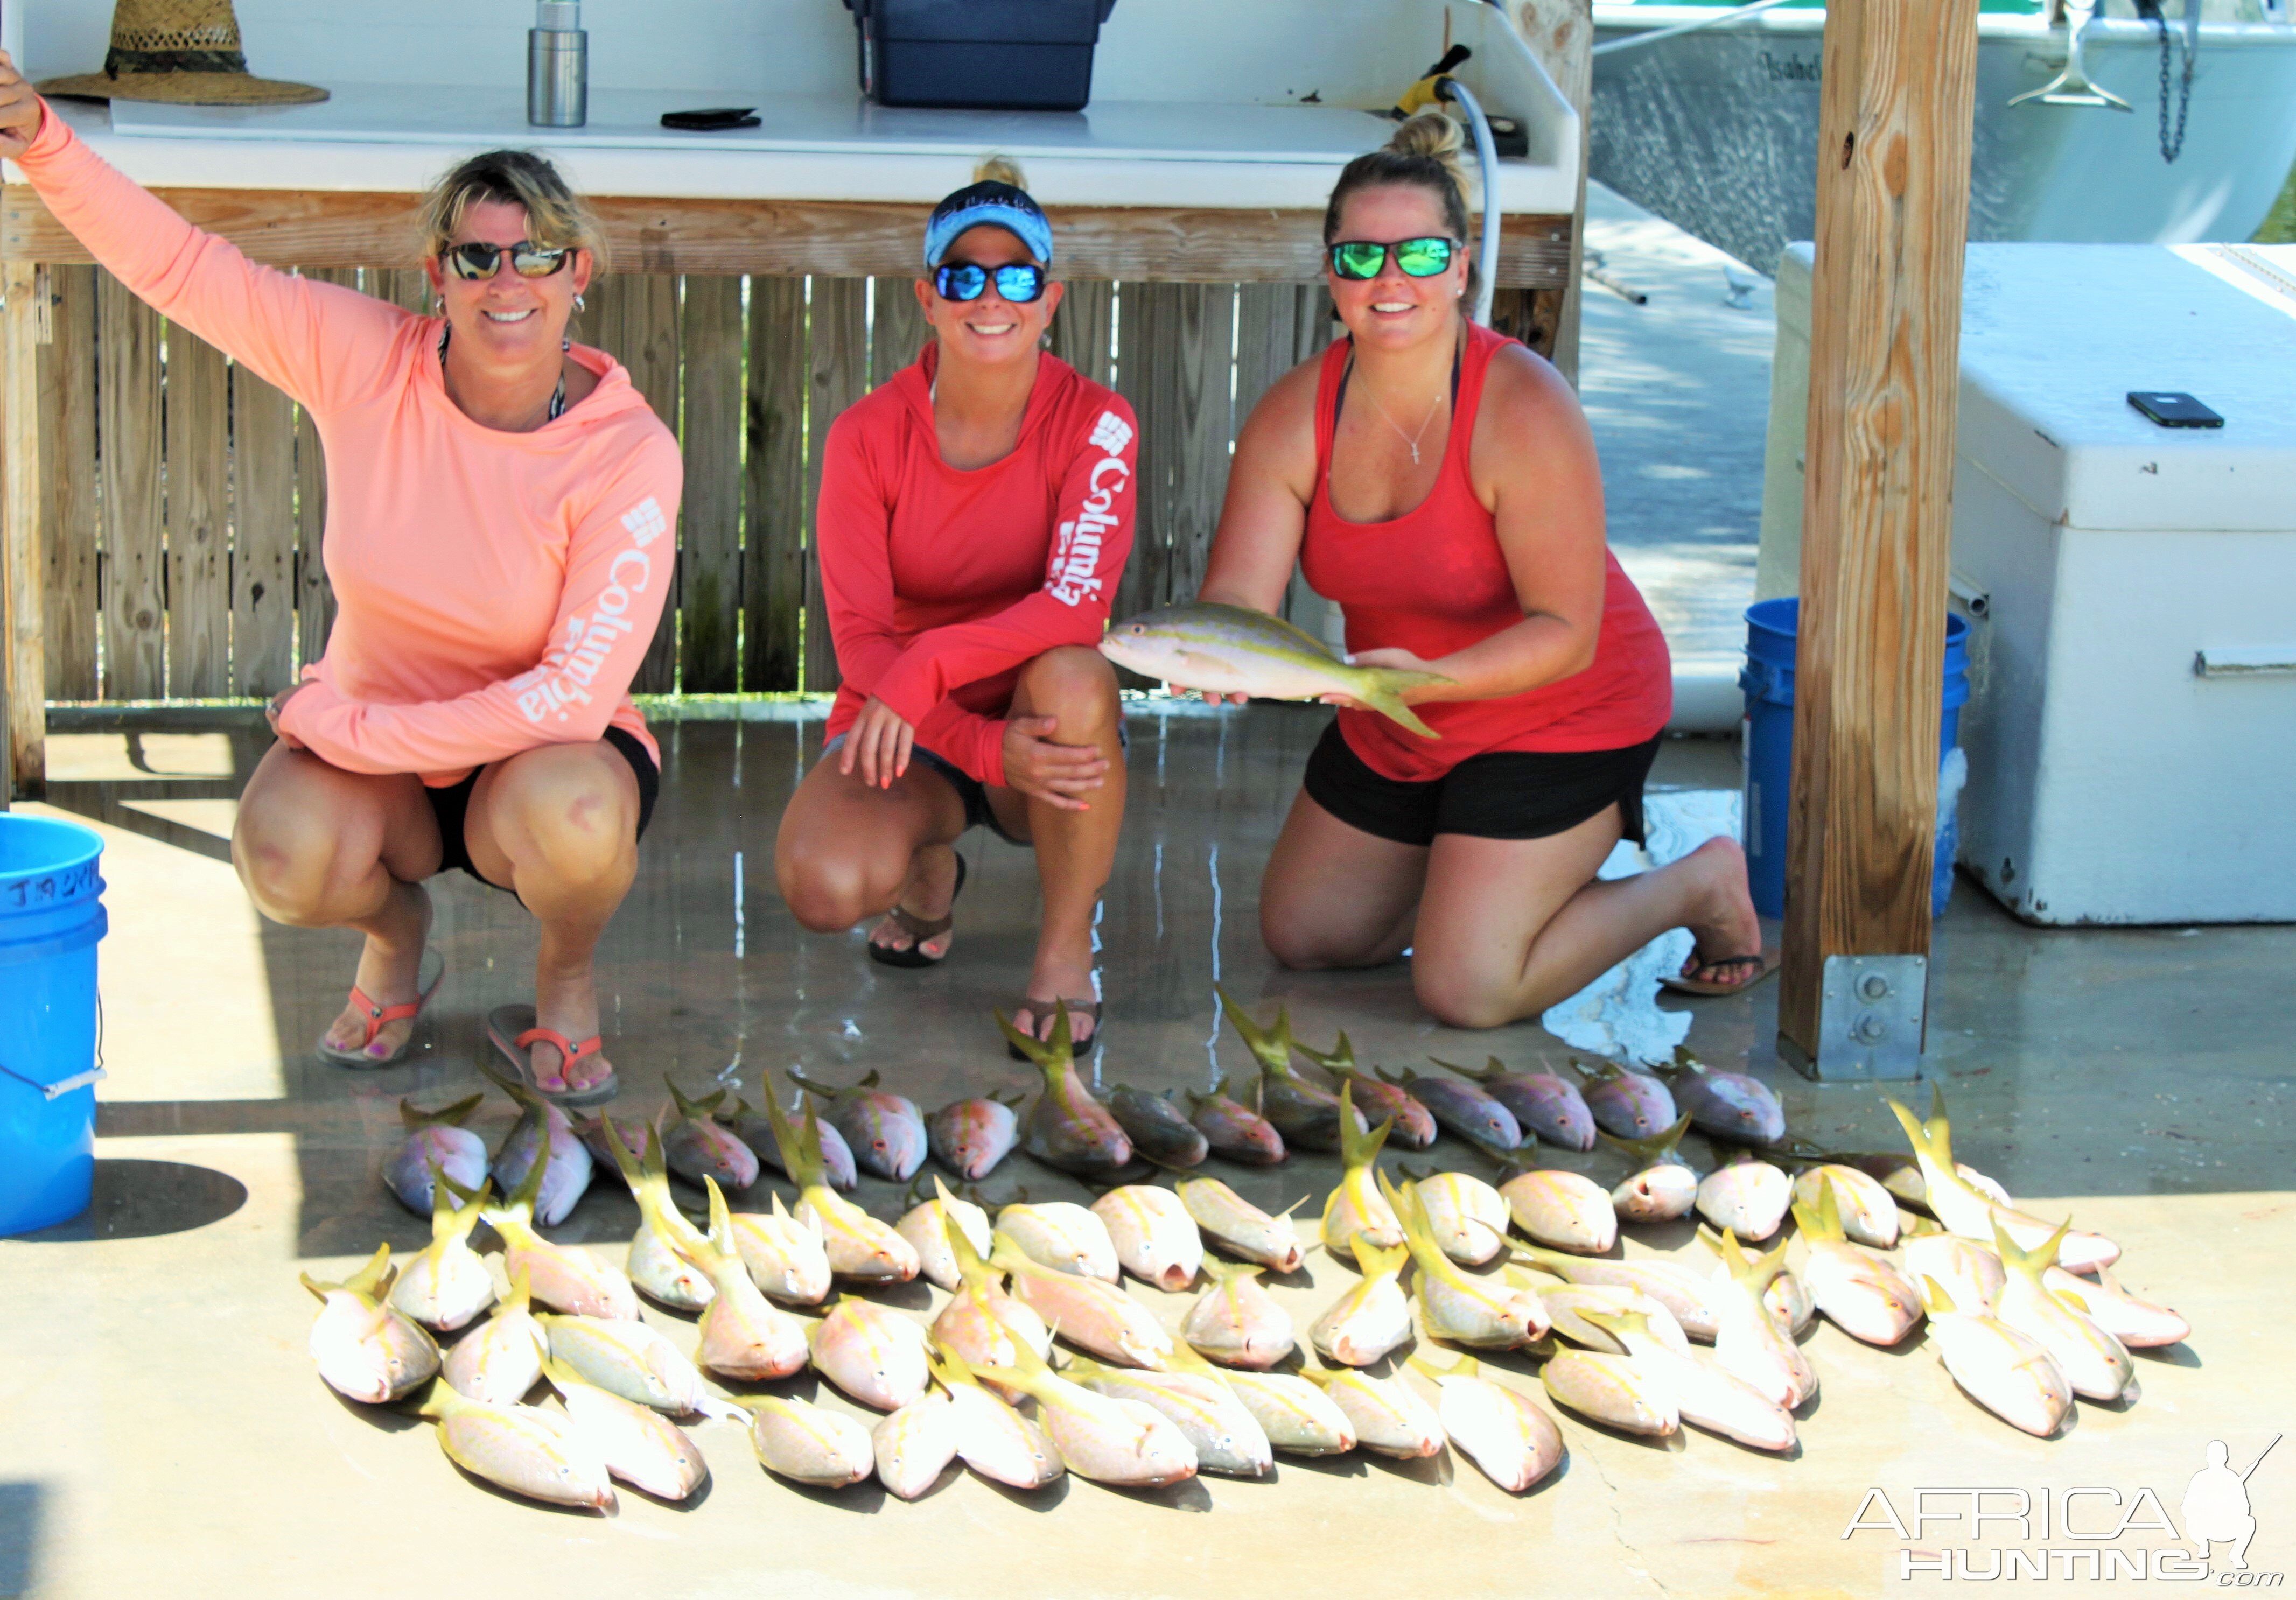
(1233, 650)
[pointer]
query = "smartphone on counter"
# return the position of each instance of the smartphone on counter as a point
(711, 120)
(2174, 410)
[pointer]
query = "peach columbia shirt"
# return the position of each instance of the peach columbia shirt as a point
(494, 592)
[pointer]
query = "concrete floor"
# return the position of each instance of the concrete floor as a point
(162, 1433)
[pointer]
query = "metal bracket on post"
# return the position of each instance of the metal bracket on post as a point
(1870, 1022)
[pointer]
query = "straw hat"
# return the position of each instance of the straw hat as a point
(182, 51)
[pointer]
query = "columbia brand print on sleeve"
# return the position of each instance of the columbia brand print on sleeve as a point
(563, 678)
(941, 584)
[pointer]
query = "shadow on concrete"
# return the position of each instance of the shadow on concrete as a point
(19, 1537)
(144, 1199)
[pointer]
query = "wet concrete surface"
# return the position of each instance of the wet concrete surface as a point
(162, 1431)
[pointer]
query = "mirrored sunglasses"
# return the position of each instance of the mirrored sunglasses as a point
(475, 262)
(963, 280)
(1361, 260)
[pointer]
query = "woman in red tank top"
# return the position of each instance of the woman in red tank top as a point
(1438, 482)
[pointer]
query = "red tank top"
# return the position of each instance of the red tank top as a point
(1434, 580)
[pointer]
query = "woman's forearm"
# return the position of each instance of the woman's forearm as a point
(1540, 649)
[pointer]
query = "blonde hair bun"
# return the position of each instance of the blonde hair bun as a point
(999, 169)
(1433, 136)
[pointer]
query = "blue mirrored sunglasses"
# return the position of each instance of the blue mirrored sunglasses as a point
(1019, 284)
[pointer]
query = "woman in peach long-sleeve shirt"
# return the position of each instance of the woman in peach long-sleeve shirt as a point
(497, 496)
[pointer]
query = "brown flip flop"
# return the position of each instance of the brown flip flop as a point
(920, 929)
(1767, 961)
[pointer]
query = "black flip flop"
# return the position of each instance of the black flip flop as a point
(1039, 1010)
(919, 929)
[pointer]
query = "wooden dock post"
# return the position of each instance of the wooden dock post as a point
(1894, 136)
(23, 766)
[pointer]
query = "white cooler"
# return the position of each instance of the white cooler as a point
(2131, 589)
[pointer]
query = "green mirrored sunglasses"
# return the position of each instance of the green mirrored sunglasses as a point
(1361, 259)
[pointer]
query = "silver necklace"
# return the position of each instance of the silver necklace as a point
(1411, 440)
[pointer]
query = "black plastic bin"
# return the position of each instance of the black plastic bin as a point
(987, 55)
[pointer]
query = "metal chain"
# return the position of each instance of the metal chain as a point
(2171, 149)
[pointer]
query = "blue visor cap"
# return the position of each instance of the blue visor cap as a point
(988, 205)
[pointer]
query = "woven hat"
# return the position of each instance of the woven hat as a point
(182, 51)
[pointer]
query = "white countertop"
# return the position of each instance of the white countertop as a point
(821, 146)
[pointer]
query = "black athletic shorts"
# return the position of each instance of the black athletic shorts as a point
(452, 804)
(1501, 794)
(970, 791)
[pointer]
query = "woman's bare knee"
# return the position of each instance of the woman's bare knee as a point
(828, 890)
(566, 815)
(1077, 688)
(1460, 998)
(293, 863)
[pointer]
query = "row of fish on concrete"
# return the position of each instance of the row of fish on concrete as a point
(2025, 1315)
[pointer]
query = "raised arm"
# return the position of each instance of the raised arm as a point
(318, 341)
(618, 573)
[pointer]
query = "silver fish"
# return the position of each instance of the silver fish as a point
(1233, 650)
(1464, 1109)
(886, 1131)
(1549, 1107)
(1513, 1442)
(543, 1135)
(1306, 1115)
(1411, 1125)
(1633, 1105)
(1067, 1127)
(696, 1147)
(659, 1272)
(804, 1442)
(1232, 1130)
(755, 1128)
(592, 1131)
(971, 1137)
(1728, 1105)
(1159, 1130)
(435, 1139)
(1387, 1418)
(365, 1350)
(519, 1447)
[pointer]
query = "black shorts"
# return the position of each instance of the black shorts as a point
(970, 791)
(1500, 794)
(452, 804)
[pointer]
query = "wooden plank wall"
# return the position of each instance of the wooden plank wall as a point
(185, 500)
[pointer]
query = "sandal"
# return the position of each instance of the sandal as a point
(1766, 961)
(429, 973)
(1039, 1010)
(512, 1032)
(919, 929)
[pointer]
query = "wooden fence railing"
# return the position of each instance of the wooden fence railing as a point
(185, 498)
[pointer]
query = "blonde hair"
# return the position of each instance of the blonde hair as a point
(995, 169)
(556, 217)
(1422, 154)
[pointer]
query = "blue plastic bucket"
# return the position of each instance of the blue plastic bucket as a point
(51, 917)
(1767, 679)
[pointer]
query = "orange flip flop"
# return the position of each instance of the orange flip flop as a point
(1766, 961)
(427, 975)
(512, 1032)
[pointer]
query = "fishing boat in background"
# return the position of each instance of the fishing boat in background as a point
(2146, 127)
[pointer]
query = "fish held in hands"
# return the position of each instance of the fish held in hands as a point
(365, 1350)
(1662, 1189)
(1514, 1442)
(1238, 1323)
(521, 1449)
(565, 1277)
(1372, 1317)
(542, 1137)
(1233, 1130)
(885, 1131)
(500, 1360)
(972, 1137)
(1067, 1127)
(1155, 1239)
(1467, 1215)
(2007, 1372)
(1545, 1105)
(1240, 1227)
(435, 1139)
(1160, 1130)
(1633, 1105)
(1411, 1125)
(1233, 650)
(697, 1146)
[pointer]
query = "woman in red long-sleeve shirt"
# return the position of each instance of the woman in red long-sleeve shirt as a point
(975, 516)
(1438, 482)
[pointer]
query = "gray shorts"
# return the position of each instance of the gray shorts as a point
(971, 791)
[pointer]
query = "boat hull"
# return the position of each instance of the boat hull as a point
(1717, 131)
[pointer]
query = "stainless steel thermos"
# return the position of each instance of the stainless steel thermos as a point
(557, 66)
